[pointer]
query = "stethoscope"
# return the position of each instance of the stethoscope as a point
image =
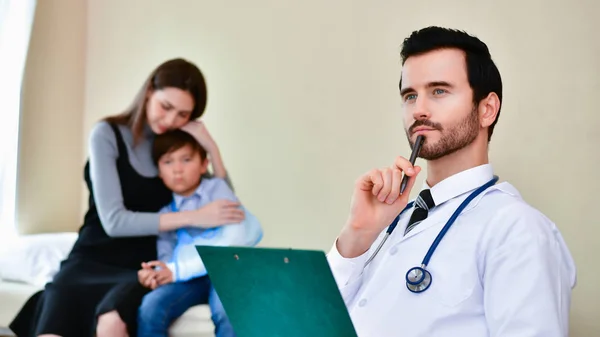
(418, 279)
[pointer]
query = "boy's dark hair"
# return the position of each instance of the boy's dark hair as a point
(482, 73)
(172, 141)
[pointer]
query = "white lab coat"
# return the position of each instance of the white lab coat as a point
(502, 269)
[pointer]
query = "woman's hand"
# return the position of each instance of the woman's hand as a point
(200, 132)
(217, 213)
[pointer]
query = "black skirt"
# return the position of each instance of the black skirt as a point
(100, 268)
(79, 293)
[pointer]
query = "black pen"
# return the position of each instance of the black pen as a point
(413, 157)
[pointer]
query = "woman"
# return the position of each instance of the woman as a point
(120, 227)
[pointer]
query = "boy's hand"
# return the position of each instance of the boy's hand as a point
(162, 276)
(146, 277)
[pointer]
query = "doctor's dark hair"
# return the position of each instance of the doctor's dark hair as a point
(174, 140)
(484, 77)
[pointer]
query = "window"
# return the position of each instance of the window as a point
(16, 20)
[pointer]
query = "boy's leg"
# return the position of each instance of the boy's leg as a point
(165, 304)
(223, 327)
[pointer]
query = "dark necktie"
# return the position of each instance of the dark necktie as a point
(423, 204)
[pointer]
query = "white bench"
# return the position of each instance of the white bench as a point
(195, 322)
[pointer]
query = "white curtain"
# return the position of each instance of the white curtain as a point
(16, 20)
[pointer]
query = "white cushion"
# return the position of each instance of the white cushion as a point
(12, 297)
(29, 262)
(195, 322)
(35, 259)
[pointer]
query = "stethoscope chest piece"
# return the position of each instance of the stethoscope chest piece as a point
(418, 279)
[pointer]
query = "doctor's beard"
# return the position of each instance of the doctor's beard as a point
(456, 138)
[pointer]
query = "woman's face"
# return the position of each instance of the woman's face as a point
(168, 109)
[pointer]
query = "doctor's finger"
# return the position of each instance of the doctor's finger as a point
(386, 174)
(410, 184)
(395, 191)
(404, 165)
(373, 181)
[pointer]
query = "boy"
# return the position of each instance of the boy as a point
(180, 279)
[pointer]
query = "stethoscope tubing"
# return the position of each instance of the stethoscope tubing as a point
(441, 234)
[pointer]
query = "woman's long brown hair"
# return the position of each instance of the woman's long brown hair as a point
(175, 73)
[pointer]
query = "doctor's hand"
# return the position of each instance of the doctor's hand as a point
(376, 202)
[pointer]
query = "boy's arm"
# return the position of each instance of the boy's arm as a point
(166, 241)
(245, 233)
(188, 263)
(165, 245)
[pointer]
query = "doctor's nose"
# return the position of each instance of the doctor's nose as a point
(420, 110)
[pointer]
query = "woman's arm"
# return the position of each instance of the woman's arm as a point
(200, 132)
(216, 161)
(117, 220)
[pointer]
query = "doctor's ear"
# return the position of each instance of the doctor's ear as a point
(488, 109)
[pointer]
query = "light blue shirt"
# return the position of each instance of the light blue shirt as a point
(177, 248)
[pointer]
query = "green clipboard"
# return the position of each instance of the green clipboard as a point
(270, 292)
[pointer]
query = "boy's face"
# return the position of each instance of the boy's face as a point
(182, 169)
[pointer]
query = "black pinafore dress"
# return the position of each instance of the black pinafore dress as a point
(89, 280)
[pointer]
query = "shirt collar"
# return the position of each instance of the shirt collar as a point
(198, 193)
(460, 183)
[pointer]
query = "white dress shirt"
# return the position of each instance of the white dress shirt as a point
(503, 269)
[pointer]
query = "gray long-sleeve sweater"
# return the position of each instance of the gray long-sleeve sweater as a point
(103, 152)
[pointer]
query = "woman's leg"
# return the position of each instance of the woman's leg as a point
(165, 304)
(116, 314)
(223, 327)
(60, 310)
(110, 324)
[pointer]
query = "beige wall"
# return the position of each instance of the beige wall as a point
(303, 98)
(50, 165)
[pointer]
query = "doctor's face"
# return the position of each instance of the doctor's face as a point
(438, 102)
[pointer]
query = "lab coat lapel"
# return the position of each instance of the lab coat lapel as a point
(439, 217)
(423, 226)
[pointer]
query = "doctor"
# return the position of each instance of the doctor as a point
(501, 268)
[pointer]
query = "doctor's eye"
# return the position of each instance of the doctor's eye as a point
(409, 97)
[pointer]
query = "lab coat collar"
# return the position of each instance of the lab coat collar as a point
(460, 183)
(450, 188)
